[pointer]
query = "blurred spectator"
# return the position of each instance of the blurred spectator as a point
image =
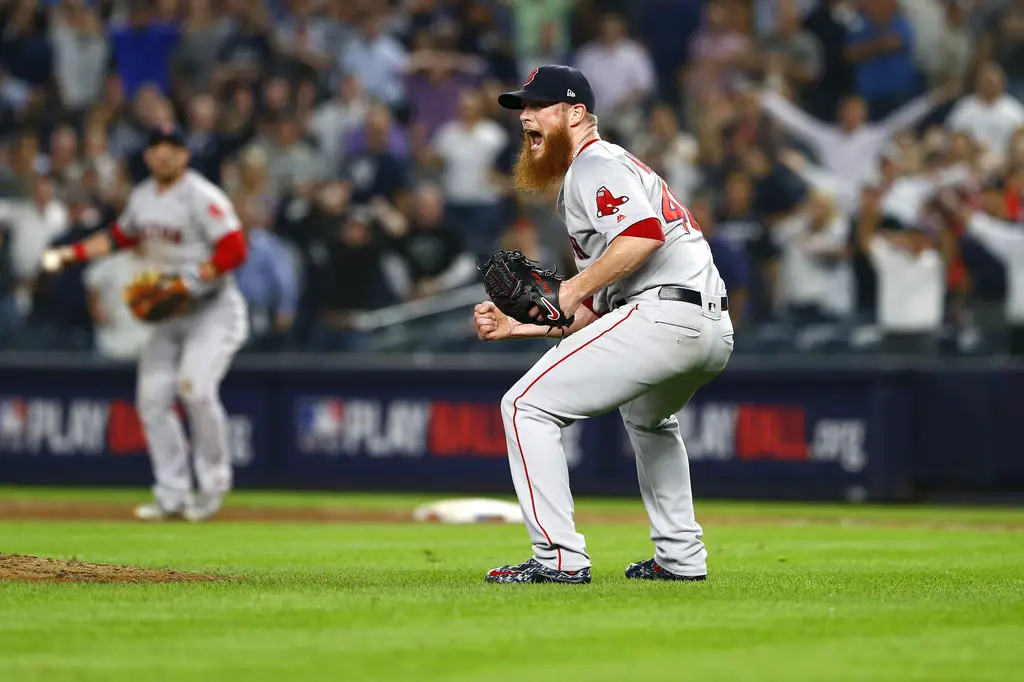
(97, 157)
(207, 150)
(815, 279)
(62, 159)
(549, 49)
(1005, 241)
(829, 23)
(143, 47)
(351, 281)
(790, 53)
(943, 41)
(80, 54)
(1003, 42)
(119, 335)
(480, 35)
(541, 31)
(247, 52)
(27, 53)
(237, 124)
(719, 53)
(523, 235)
(880, 47)
(430, 255)
(195, 59)
(620, 71)
(267, 278)
(673, 153)
(667, 28)
(467, 150)
(850, 150)
(59, 301)
(435, 79)
(911, 280)
(10, 316)
(35, 223)
(990, 116)
(779, 193)
(291, 160)
(375, 166)
(730, 258)
(336, 119)
(377, 60)
(305, 38)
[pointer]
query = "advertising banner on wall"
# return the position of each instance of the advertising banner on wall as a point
(66, 429)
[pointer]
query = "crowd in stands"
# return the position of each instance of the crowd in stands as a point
(856, 165)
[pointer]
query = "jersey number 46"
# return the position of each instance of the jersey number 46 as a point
(672, 210)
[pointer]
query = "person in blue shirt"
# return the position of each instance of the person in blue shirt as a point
(879, 46)
(143, 48)
(268, 280)
(730, 258)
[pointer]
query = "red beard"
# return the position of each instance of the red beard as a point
(537, 173)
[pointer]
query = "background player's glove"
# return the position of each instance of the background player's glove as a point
(524, 291)
(153, 296)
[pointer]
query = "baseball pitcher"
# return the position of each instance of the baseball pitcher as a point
(643, 325)
(191, 239)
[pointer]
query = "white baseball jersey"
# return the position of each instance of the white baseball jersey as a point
(181, 226)
(606, 191)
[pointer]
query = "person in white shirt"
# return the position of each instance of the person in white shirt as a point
(620, 70)
(910, 267)
(467, 150)
(336, 118)
(80, 54)
(1005, 241)
(378, 60)
(34, 224)
(990, 115)
(850, 150)
(816, 280)
(119, 335)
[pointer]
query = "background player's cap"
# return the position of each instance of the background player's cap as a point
(552, 83)
(166, 133)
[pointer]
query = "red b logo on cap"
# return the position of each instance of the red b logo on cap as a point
(529, 79)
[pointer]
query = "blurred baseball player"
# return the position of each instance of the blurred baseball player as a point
(188, 231)
(651, 327)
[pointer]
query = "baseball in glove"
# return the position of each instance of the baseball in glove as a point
(524, 291)
(153, 296)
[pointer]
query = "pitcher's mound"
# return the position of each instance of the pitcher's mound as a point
(26, 568)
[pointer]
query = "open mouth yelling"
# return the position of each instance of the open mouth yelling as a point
(536, 139)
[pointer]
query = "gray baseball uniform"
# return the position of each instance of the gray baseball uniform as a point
(645, 356)
(188, 355)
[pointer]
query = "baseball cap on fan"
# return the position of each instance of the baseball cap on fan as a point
(552, 83)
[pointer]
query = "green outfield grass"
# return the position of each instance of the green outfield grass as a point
(898, 594)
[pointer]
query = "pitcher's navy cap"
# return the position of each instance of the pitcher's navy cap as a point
(552, 83)
(166, 133)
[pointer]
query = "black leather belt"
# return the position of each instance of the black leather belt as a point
(683, 295)
(687, 296)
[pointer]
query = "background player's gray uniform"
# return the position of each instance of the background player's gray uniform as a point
(645, 356)
(187, 356)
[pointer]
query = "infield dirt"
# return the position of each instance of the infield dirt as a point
(26, 568)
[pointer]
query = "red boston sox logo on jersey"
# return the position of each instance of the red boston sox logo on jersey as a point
(607, 203)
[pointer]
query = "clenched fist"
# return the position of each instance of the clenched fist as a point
(491, 323)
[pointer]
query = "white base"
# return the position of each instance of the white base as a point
(469, 510)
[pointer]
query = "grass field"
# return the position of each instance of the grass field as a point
(823, 593)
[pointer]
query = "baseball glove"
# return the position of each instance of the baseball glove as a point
(524, 291)
(153, 296)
